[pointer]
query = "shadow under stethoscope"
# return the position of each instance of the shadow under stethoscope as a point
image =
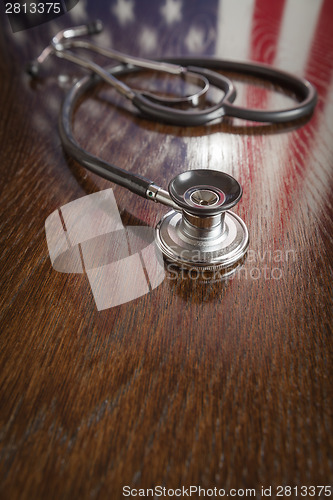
(200, 285)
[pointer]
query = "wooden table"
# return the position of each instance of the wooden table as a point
(222, 384)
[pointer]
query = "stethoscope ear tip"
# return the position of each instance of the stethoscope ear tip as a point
(32, 68)
(94, 27)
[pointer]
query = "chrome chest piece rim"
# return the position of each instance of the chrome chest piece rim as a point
(222, 251)
(204, 234)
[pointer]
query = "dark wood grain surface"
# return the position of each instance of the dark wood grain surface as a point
(218, 384)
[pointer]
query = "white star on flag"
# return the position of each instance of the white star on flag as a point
(124, 11)
(171, 11)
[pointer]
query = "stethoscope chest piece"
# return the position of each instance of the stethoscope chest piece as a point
(204, 233)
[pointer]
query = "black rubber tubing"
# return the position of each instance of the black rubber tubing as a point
(134, 182)
(302, 88)
(138, 184)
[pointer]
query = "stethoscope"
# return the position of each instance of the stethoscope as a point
(199, 231)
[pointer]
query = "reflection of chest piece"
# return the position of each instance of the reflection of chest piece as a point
(204, 234)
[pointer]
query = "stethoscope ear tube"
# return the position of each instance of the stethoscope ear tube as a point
(194, 69)
(300, 86)
(190, 117)
(224, 107)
